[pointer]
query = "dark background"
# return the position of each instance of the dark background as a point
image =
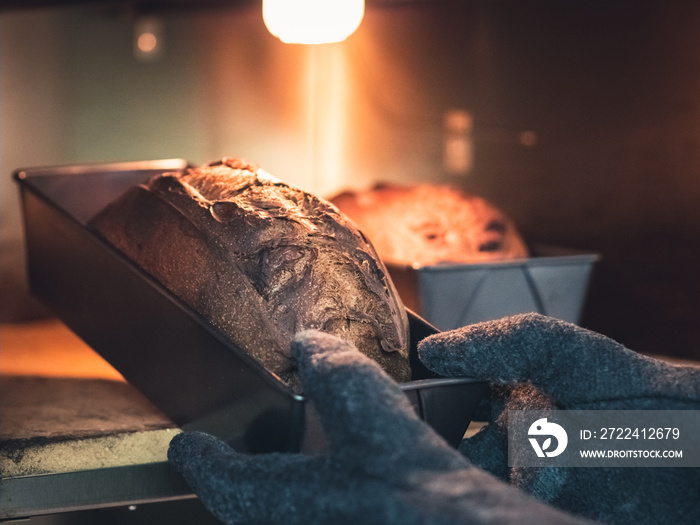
(611, 89)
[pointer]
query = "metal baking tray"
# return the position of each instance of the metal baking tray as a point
(179, 361)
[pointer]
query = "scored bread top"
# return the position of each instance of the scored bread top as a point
(424, 224)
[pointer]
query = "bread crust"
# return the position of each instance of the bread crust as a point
(260, 260)
(427, 224)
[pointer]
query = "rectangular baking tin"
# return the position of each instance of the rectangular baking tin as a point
(554, 282)
(162, 347)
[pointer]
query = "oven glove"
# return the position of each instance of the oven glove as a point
(384, 466)
(535, 362)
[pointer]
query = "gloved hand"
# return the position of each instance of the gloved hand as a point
(536, 362)
(384, 465)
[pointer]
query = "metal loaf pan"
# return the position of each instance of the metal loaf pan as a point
(165, 349)
(553, 281)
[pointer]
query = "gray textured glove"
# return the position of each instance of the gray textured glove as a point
(536, 362)
(384, 465)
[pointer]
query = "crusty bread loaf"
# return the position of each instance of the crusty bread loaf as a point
(428, 224)
(261, 260)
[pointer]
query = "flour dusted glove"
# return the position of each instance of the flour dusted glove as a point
(384, 466)
(536, 362)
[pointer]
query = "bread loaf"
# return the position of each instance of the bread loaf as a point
(427, 224)
(261, 260)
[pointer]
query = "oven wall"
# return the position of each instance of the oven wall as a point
(586, 124)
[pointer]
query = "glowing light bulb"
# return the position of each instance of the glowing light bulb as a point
(312, 21)
(148, 39)
(146, 42)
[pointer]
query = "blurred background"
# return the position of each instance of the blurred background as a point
(580, 120)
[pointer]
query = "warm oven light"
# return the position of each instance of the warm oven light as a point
(312, 21)
(148, 39)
